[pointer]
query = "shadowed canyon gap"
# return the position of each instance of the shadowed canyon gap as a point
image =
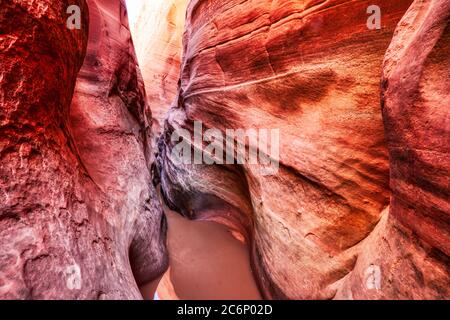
(359, 208)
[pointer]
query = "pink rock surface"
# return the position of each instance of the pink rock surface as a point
(157, 30)
(78, 216)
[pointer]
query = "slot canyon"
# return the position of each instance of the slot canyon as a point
(93, 205)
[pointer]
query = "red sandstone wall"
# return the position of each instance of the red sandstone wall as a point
(157, 34)
(321, 227)
(76, 199)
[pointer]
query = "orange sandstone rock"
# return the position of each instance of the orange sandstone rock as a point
(157, 31)
(412, 245)
(312, 69)
(78, 216)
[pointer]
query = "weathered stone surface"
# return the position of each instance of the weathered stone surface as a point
(157, 32)
(416, 101)
(412, 247)
(359, 208)
(77, 210)
(320, 227)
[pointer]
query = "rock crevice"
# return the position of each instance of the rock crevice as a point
(77, 202)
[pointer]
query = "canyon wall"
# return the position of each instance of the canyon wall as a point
(78, 214)
(326, 225)
(157, 32)
(357, 209)
(411, 244)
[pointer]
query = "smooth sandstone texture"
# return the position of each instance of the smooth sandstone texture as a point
(111, 121)
(417, 122)
(157, 32)
(78, 215)
(321, 227)
(416, 102)
(411, 245)
(216, 269)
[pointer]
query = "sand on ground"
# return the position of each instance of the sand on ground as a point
(206, 262)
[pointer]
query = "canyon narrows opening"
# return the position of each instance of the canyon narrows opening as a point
(206, 261)
(328, 223)
(215, 149)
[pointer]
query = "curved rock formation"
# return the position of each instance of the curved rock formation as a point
(417, 122)
(157, 33)
(349, 199)
(78, 215)
(411, 244)
(320, 227)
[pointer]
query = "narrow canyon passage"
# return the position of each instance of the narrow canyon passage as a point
(103, 100)
(309, 70)
(206, 262)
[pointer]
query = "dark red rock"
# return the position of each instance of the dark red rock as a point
(78, 214)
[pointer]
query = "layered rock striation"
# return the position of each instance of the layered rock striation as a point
(78, 214)
(326, 224)
(157, 32)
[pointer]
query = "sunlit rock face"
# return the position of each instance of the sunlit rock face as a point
(157, 28)
(78, 217)
(321, 226)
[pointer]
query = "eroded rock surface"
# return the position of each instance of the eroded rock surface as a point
(321, 226)
(357, 210)
(410, 246)
(157, 32)
(78, 216)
